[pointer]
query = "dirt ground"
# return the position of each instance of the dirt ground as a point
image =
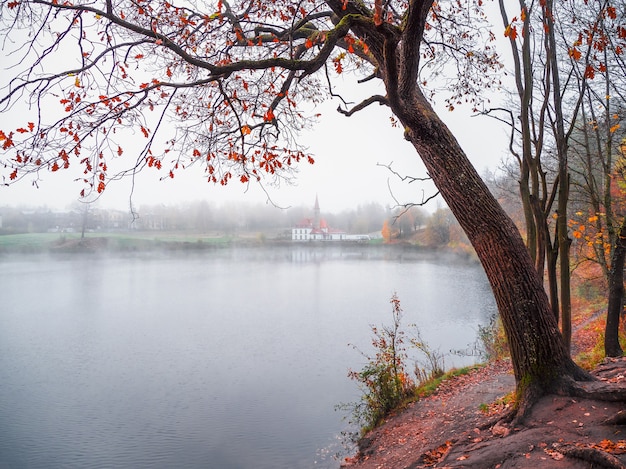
(458, 427)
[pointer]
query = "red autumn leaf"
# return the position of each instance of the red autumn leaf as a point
(574, 53)
(510, 32)
(244, 178)
(590, 72)
(338, 66)
(101, 187)
(14, 174)
(8, 142)
(378, 12)
(269, 115)
(55, 167)
(611, 12)
(119, 151)
(12, 5)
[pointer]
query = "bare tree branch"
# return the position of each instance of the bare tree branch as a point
(363, 104)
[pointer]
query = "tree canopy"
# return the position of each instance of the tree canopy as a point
(215, 84)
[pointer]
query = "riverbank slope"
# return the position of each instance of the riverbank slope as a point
(458, 427)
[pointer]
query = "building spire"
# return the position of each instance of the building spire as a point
(316, 213)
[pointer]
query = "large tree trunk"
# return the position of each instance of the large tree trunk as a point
(541, 362)
(538, 352)
(553, 287)
(612, 347)
(564, 243)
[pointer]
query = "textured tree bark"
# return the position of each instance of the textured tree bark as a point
(539, 355)
(541, 361)
(612, 347)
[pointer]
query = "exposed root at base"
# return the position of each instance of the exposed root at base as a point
(592, 455)
(618, 419)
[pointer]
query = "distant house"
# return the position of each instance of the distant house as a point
(316, 229)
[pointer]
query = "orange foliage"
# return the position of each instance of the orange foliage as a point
(386, 232)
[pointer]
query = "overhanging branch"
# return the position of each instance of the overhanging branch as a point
(382, 100)
(409, 180)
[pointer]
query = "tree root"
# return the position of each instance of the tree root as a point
(612, 368)
(599, 390)
(618, 419)
(592, 455)
(503, 419)
(582, 386)
(526, 399)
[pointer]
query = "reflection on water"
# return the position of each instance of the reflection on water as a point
(233, 359)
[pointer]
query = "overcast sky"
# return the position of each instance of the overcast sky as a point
(347, 172)
(348, 153)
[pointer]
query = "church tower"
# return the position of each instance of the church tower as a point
(316, 214)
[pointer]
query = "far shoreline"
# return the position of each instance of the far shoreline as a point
(146, 242)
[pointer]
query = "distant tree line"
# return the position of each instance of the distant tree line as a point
(413, 225)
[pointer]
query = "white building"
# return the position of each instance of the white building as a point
(316, 229)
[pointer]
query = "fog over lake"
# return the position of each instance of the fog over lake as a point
(226, 358)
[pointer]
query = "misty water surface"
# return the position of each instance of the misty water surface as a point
(225, 359)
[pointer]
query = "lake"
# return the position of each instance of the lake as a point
(231, 358)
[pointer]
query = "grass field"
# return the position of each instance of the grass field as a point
(44, 241)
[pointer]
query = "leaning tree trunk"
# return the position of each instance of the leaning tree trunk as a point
(612, 347)
(538, 353)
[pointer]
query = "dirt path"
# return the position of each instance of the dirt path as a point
(449, 429)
